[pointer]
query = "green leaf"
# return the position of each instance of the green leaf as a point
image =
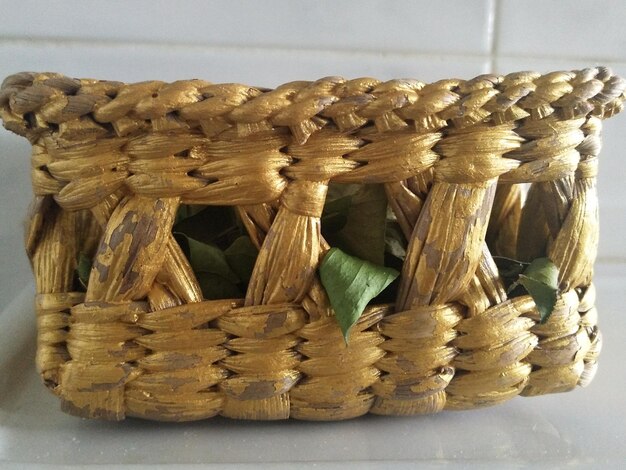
(215, 287)
(84, 268)
(187, 210)
(341, 190)
(541, 281)
(337, 206)
(543, 295)
(206, 258)
(211, 224)
(543, 270)
(217, 280)
(351, 283)
(509, 268)
(335, 215)
(241, 256)
(363, 233)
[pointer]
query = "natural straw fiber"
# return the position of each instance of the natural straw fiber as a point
(112, 163)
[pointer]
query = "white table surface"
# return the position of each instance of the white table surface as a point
(586, 427)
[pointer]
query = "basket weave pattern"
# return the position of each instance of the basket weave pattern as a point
(112, 163)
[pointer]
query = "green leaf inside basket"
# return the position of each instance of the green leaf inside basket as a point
(206, 258)
(83, 269)
(221, 273)
(208, 224)
(541, 280)
(220, 252)
(354, 219)
(241, 256)
(351, 283)
(215, 287)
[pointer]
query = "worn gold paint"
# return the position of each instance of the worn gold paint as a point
(112, 161)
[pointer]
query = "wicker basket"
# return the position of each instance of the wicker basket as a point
(112, 163)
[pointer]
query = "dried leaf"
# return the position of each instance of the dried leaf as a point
(541, 281)
(186, 211)
(362, 234)
(84, 268)
(351, 283)
(335, 215)
(337, 207)
(216, 287)
(221, 274)
(395, 243)
(210, 224)
(241, 256)
(509, 268)
(209, 259)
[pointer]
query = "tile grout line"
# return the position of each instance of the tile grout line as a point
(492, 56)
(197, 46)
(547, 58)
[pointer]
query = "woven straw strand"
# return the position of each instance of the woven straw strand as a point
(112, 162)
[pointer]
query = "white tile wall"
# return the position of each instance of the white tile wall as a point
(266, 43)
(375, 25)
(251, 65)
(574, 29)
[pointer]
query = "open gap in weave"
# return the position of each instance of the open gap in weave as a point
(356, 219)
(216, 244)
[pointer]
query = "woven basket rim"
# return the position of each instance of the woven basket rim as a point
(112, 162)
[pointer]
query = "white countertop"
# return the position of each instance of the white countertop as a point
(586, 427)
